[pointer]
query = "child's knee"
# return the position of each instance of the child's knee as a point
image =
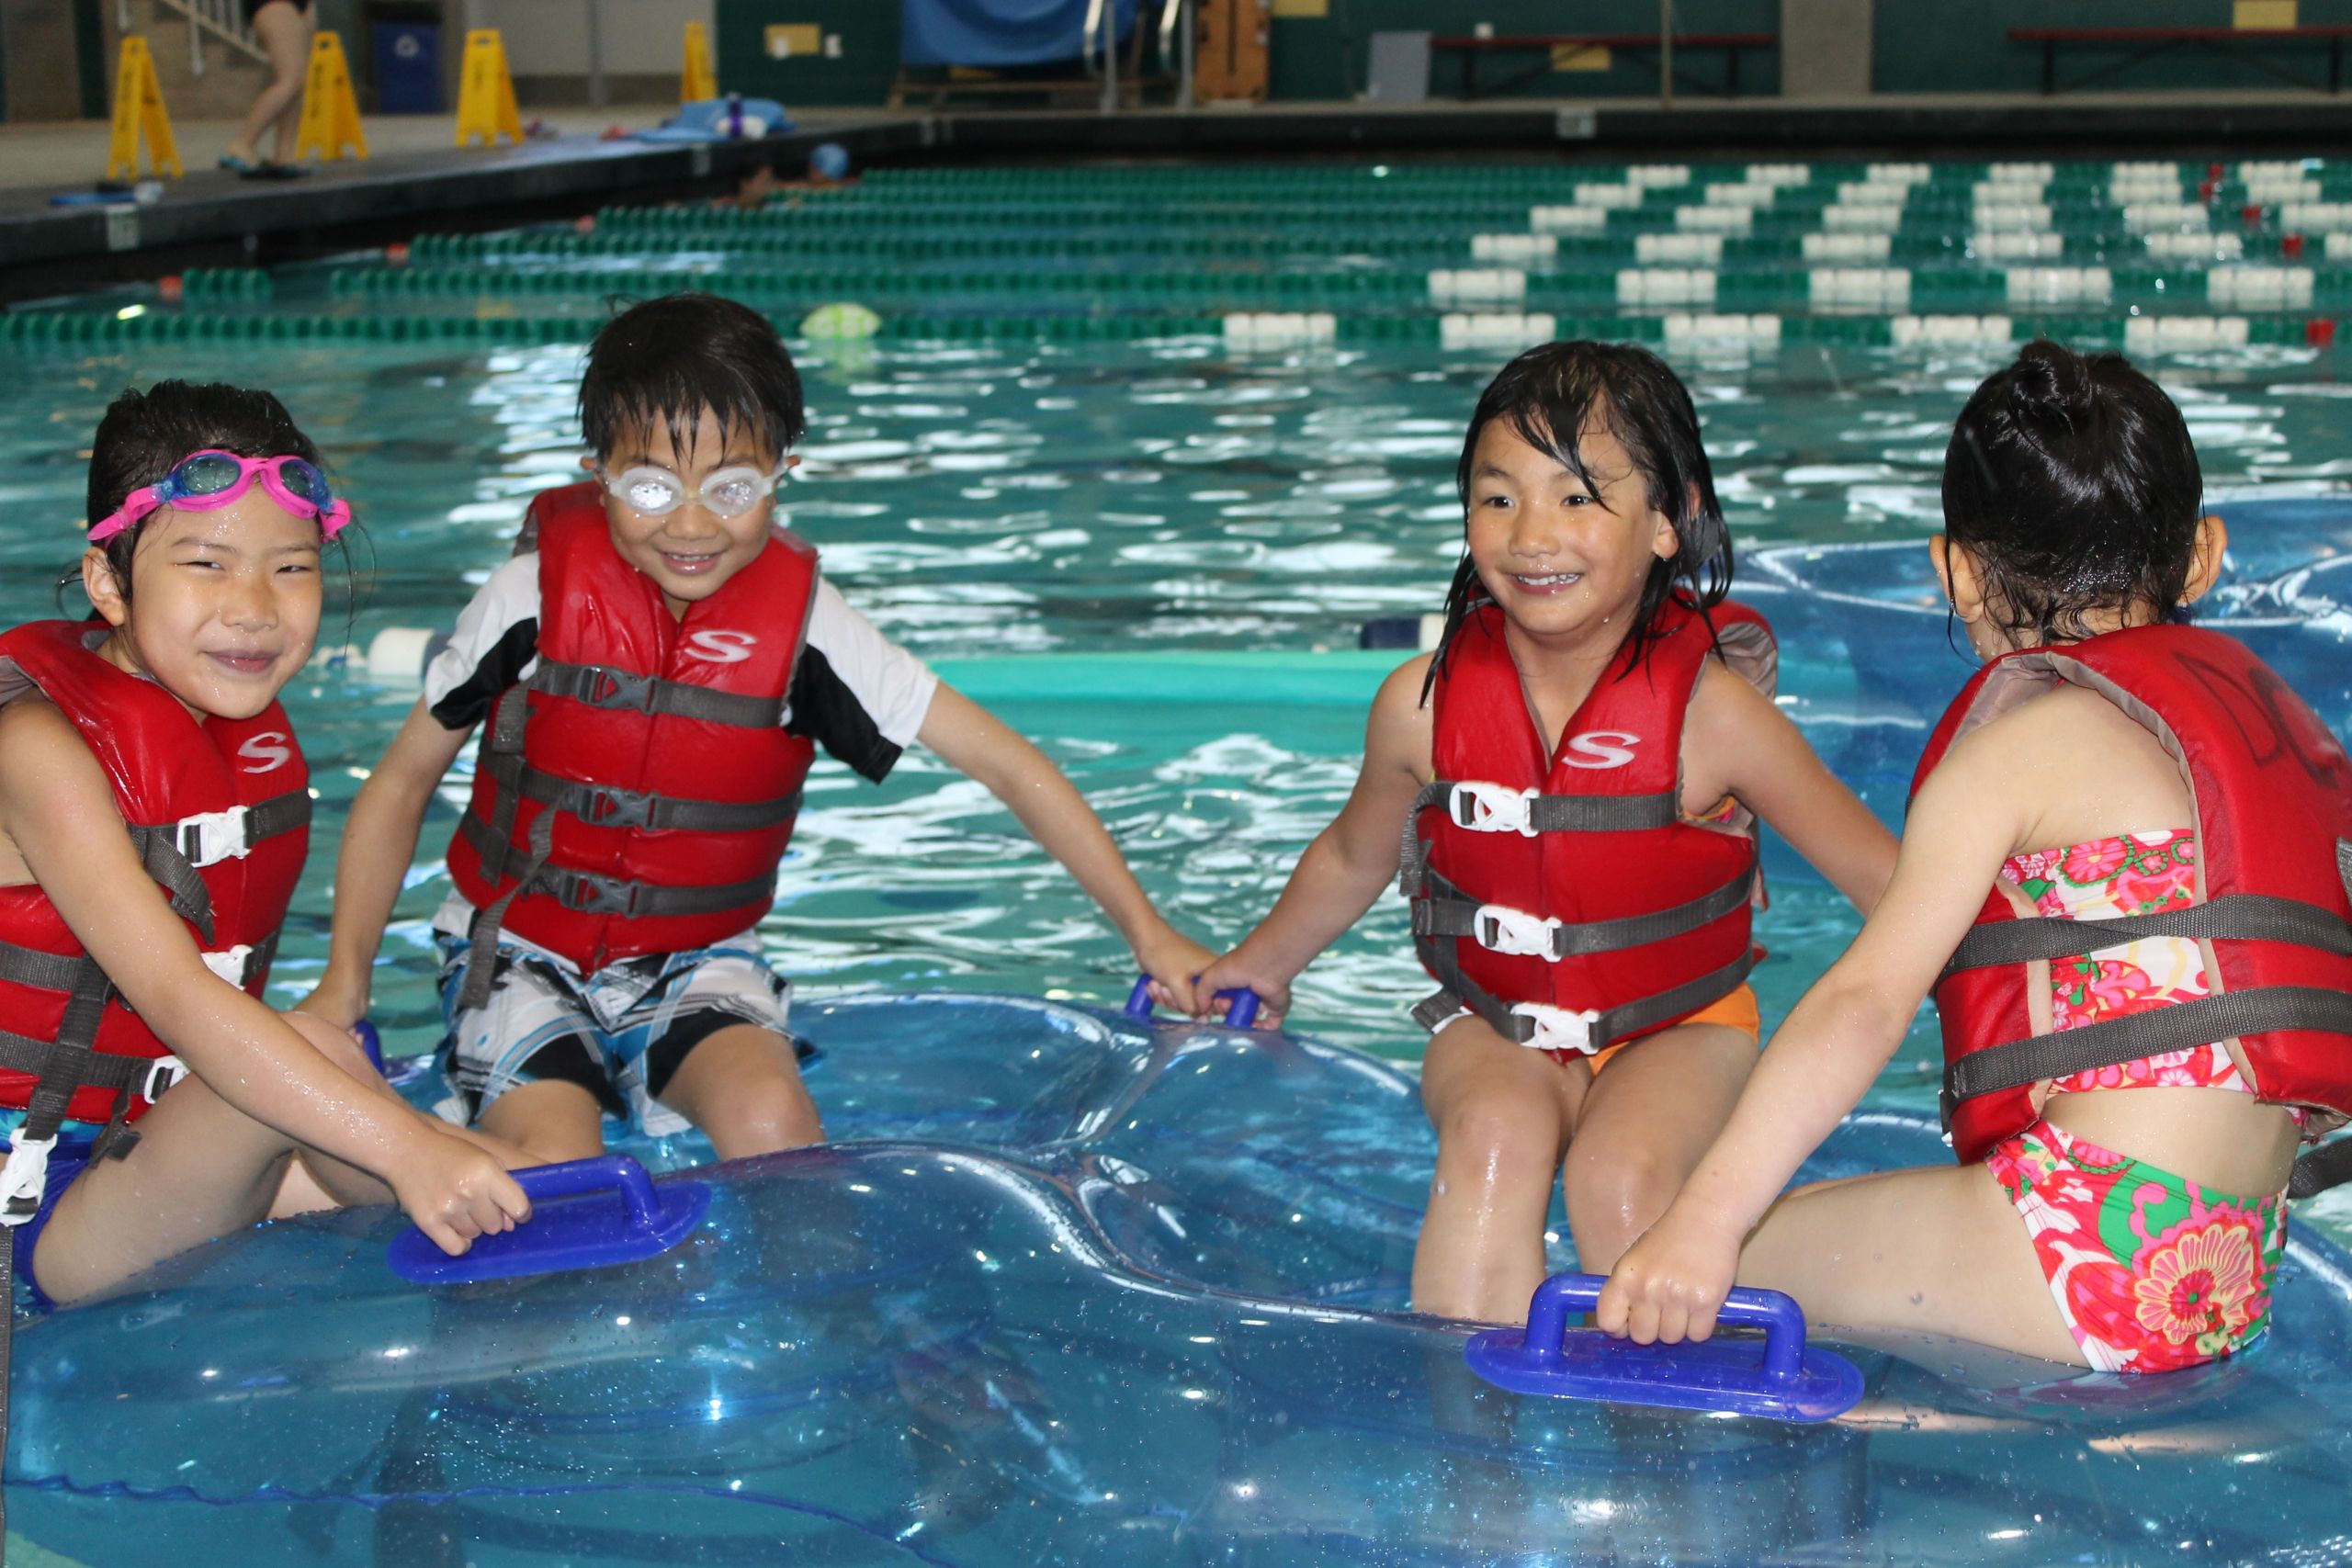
(1613, 1195)
(336, 1045)
(761, 1115)
(1498, 1140)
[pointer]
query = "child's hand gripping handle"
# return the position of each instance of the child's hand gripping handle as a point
(1776, 1314)
(1240, 1013)
(614, 1214)
(1787, 1383)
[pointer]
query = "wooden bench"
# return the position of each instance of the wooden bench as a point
(1470, 49)
(2147, 42)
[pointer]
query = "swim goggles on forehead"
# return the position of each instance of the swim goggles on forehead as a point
(656, 492)
(206, 480)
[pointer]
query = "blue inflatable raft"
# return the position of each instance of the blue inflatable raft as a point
(1079, 1289)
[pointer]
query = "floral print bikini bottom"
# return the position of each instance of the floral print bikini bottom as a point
(2151, 1272)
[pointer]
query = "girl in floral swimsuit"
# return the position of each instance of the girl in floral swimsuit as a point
(2070, 504)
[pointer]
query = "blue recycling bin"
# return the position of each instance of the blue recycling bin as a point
(407, 57)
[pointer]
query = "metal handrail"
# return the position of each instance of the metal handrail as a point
(224, 20)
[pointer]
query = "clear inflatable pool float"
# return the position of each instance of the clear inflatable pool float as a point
(1077, 1288)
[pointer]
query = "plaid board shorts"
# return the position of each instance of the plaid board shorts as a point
(618, 1014)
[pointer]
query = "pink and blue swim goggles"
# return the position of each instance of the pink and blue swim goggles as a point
(205, 481)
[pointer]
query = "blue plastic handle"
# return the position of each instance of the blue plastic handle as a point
(1787, 1381)
(371, 1043)
(1240, 1013)
(1777, 1314)
(615, 1215)
(572, 1178)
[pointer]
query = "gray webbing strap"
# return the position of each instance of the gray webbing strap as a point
(2128, 1039)
(587, 892)
(103, 1069)
(2328, 1165)
(2244, 917)
(593, 893)
(160, 857)
(600, 686)
(607, 807)
(1546, 814)
(1457, 990)
(1447, 913)
(43, 971)
(481, 949)
(1564, 813)
(507, 720)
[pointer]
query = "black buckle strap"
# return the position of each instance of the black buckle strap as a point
(2242, 916)
(1446, 911)
(592, 893)
(1457, 990)
(595, 893)
(2128, 1039)
(602, 686)
(1553, 813)
(602, 805)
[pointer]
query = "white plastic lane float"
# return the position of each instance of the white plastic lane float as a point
(1079, 1287)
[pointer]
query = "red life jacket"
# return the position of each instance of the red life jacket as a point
(2272, 793)
(220, 812)
(1565, 900)
(635, 794)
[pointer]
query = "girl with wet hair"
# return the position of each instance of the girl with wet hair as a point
(1576, 770)
(2123, 878)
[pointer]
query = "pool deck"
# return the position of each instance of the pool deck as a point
(417, 180)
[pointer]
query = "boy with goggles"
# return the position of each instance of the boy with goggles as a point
(657, 667)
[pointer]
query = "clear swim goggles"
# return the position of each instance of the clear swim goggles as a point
(206, 480)
(656, 492)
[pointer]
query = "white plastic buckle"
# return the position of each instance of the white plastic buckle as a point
(1493, 809)
(1560, 1029)
(229, 963)
(219, 835)
(1515, 933)
(24, 1179)
(162, 1074)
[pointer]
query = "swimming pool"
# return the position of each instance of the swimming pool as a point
(1148, 534)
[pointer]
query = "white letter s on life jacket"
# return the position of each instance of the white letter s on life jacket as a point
(1592, 750)
(720, 647)
(269, 751)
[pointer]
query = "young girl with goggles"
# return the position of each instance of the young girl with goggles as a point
(154, 810)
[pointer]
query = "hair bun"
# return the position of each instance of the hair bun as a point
(2051, 385)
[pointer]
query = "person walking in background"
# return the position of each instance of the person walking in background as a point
(286, 28)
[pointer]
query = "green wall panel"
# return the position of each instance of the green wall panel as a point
(1324, 57)
(862, 73)
(1313, 57)
(1930, 46)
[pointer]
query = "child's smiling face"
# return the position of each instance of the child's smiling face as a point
(690, 551)
(1560, 558)
(225, 603)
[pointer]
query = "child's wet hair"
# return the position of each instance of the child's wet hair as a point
(1549, 395)
(2073, 484)
(144, 435)
(667, 361)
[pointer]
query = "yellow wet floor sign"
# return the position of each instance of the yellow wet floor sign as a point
(139, 111)
(699, 82)
(485, 92)
(330, 112)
